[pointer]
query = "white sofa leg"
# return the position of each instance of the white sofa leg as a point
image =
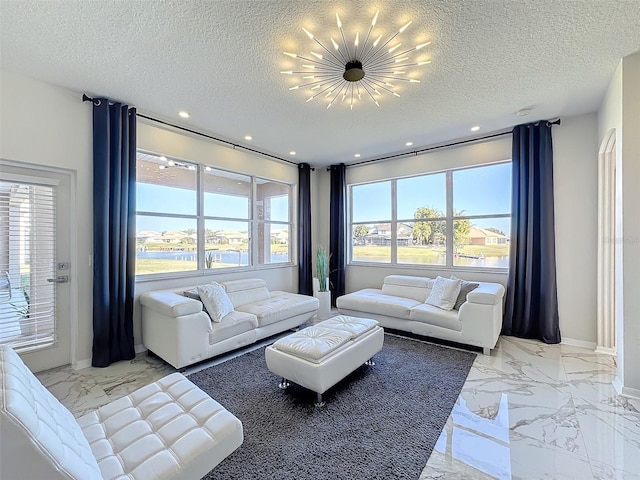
(486, 351)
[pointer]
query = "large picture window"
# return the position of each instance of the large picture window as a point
(193, 217)
(455, 218)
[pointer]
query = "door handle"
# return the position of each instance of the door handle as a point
(59, 279)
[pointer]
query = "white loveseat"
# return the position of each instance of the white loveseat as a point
(399, 305)
(167, 430)
(176, 328)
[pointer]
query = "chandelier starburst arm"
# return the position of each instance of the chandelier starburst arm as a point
(324, 63)
(342, 87)
(312, 37)
(373, 45)
(336, 82)
(373, 24)
(383, 58)
(344, 40)
(366, 89)
(381, 85)
(337, 47)
(387, 42)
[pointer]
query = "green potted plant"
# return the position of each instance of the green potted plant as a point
(321, 283)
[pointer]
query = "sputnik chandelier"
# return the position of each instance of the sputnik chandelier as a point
(351, 72)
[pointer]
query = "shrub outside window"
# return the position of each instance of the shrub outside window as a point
(455, 218)
(193, 217)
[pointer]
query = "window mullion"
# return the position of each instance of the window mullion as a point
(449, 220)
(200, 249)
(394, 222)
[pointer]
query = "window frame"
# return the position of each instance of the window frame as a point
(201, 219)
(449, 220)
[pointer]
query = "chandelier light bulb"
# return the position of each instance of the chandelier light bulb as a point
(350, 70)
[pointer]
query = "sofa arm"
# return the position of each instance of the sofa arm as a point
(170, 304)
(486, 294)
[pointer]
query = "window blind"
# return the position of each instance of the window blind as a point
(27, 260)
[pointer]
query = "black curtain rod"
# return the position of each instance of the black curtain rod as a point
(437, 147)
(86, 98)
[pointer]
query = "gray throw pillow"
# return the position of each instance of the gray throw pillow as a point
(465, 287)
(193, 293)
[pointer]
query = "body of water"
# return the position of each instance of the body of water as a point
(229, 257)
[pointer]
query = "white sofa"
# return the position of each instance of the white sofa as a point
(176, 328)
(168, 430)
(399, 305)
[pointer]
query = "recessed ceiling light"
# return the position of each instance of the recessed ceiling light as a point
(292, 152)
(357, 155)
(475, 129)
(184, 114)
(523, 112)
(408, 144)
(248, 137)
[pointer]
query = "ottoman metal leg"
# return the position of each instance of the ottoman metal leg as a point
(370, 362)
(319, 401)
(284, 384)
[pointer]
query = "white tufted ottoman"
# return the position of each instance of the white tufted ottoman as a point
(169, 429)
(320, 356)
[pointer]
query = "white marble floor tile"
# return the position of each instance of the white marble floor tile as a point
(527, 411)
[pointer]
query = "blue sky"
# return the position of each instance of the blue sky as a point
(162, 199)
(477, 191)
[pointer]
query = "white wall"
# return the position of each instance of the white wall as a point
(42, 124)
(621, 110)
(575, 177)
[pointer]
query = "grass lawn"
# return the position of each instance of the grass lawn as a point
(424, 254)
(158, 265)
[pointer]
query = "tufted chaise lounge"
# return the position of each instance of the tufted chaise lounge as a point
(169, 429)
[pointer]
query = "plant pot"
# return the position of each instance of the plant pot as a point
(324, 310)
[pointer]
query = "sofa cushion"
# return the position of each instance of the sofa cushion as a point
(417, 288)
(280, 306)
(355, 326)
(193, 293)
(436, 316)
(372, 300)
(231, 325)
(444, 293)
(39, 438)
(216, 300)
(170, 304)
(465, 288)
(250, 290)
(313, 343)
(158, 430)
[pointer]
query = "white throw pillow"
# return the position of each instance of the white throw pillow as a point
(444, 293)
(215, 300)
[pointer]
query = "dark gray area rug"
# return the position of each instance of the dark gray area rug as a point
(380, 422)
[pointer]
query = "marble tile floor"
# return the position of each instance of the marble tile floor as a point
(528, 411)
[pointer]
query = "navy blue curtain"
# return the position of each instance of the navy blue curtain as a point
(305, 273)
(114, 182)
(531, 309)
(337, 231)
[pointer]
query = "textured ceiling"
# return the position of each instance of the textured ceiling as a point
(221, 61)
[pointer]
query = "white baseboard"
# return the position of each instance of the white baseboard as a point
(80, 364)
(86, 363)
(625, 391)
(606, 351)
(578, 343)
